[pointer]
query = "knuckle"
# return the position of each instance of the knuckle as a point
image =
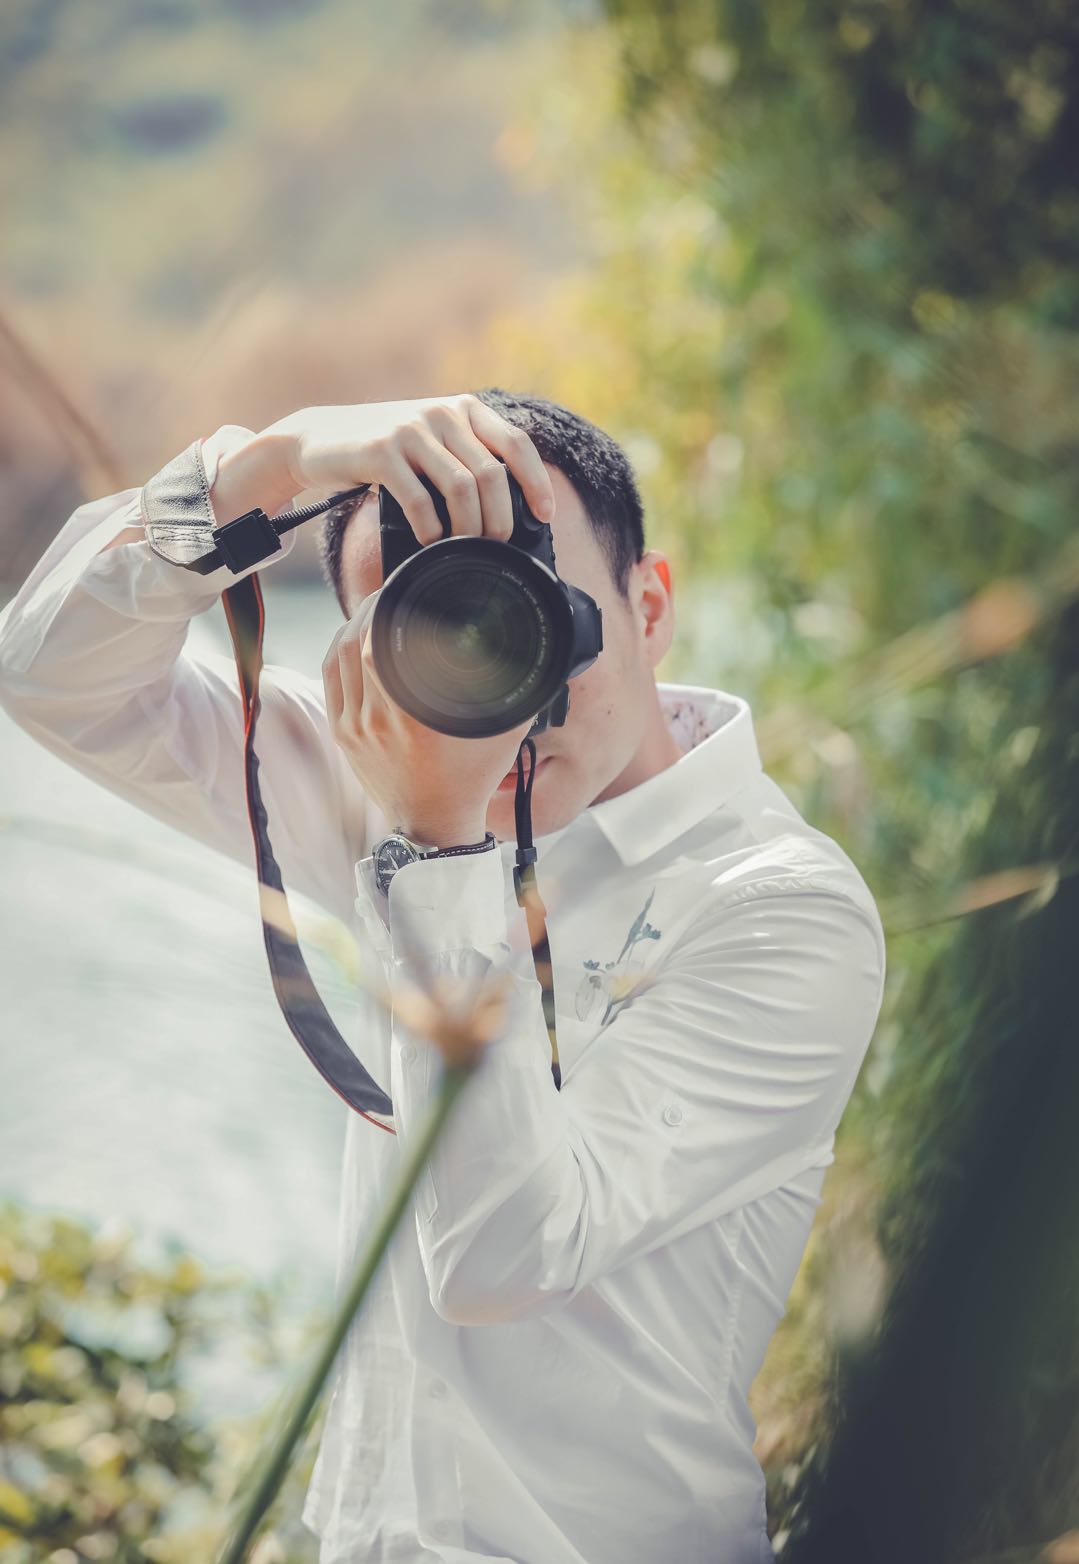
(461, 483)
(428, 528)
(490, 472)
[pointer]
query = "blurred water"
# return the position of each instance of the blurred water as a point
(148, 1075)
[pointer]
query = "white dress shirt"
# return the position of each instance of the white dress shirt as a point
(554, 1362)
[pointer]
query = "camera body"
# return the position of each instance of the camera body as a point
(472, 635)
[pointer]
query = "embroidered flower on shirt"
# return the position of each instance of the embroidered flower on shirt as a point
(616, 980)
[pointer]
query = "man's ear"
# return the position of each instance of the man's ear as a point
(656, 603)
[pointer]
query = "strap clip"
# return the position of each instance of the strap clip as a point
(246, 540)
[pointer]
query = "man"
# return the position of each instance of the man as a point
(554, 1364)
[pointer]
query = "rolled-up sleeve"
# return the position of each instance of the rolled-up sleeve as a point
(724, 1074)
(95, 667)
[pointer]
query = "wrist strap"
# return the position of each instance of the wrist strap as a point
(180, 524)
(528, 897)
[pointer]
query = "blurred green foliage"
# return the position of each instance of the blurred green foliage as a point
(105, 1451)
(896, 213)
(833, 319)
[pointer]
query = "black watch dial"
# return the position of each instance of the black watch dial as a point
(389, 857)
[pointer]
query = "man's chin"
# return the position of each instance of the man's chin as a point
(501, 819)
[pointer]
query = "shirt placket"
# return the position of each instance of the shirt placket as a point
(435, 1459)
(433, 1446)
(435, 1420)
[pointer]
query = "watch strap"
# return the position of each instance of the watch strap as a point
(489, 841)
(425, 851)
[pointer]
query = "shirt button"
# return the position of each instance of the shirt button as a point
(408, 1052)
(437, 1389)
(672, 1114)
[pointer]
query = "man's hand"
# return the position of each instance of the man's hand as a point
(434, 786)
(450, 439)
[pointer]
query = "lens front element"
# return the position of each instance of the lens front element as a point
(469, 636)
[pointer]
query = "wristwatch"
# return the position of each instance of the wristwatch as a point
(397, 849)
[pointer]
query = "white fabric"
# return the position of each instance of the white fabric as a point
(553, 1366)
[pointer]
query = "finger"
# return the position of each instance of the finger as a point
(419, 508)
(490, 474)
(361, 619)
(520, 455)
(450, 476)
(349, 649)
(331, 683)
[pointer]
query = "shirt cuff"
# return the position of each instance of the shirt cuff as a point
(137, 582)
(454, 903)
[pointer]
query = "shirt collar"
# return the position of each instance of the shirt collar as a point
(714, 729)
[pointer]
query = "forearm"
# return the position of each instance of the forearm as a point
(724, 1074)
(93, 663)
(496, 1180)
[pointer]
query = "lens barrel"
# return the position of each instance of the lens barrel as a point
(471, 636)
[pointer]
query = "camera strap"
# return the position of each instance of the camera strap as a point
(305, 1013)
(308, 1019)
(528, 897)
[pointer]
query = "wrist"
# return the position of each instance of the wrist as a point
(259, 473)
(441, 834)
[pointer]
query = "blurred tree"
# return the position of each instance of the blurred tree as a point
(957, 1429)
(833, 319)
(897, 187)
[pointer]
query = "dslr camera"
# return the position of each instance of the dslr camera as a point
(472, 635)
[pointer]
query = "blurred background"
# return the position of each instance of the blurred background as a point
(815, 266)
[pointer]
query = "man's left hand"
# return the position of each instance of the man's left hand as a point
(433, 786)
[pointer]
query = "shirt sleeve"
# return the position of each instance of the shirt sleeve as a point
(720, 1079)
(93, 665)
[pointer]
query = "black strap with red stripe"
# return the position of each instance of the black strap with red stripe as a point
(307, 1017)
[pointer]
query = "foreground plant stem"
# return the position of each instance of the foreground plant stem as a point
(272, 1464)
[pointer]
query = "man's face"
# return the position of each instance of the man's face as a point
(609, 703)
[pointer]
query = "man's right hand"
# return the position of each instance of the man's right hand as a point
(450, 439)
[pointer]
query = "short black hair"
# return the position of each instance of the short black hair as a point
(593, 462)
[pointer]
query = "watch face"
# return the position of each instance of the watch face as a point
(390, 854)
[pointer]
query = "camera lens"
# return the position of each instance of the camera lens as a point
(469, 638)
(471, 635)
